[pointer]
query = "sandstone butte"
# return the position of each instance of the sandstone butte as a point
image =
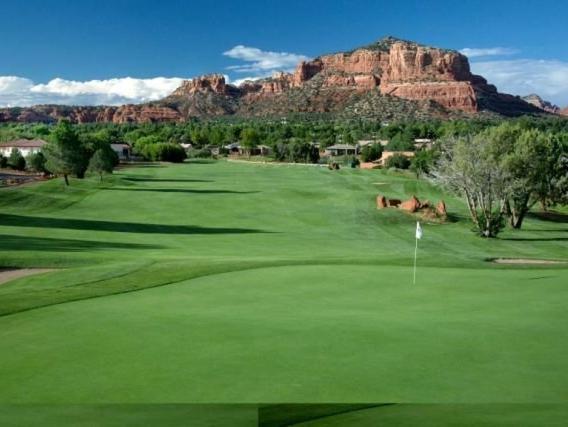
(390, 69)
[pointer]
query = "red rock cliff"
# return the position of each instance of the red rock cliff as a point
(402, 69)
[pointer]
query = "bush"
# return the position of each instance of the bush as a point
(171, 153)
(3, 161)
(371, 152)
(16, 160)
(352, 161)
(397, 161)
(203, 153)
(36, 162)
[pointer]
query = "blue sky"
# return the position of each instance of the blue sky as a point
(99, 51)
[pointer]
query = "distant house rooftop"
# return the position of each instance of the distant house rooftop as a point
(341, 147)
(24, 143)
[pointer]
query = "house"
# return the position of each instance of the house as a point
(341, 150)
(237, 149)
(24, 146)
(364, 142)
(386, 154)
(123, 151)
(233, 148)
(422, 143)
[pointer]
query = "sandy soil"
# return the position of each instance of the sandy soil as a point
(11, 274)
(526, 261)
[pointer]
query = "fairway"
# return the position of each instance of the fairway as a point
(217, 282)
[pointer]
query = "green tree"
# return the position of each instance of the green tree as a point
(371, 152)
(250, 138)
(397, 161)
(423, 161)
(16, 160)
(103, 161)
(65, 154)
(36, 162)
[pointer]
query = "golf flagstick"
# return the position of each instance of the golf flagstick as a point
(418, 236)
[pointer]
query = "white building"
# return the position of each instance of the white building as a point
(122, 151)
(24, 146)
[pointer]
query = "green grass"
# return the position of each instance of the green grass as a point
(225, 282)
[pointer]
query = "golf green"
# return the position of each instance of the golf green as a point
(237, 283)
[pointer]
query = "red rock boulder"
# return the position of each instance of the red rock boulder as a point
(411, 205)
(381, 202)
(441, 208)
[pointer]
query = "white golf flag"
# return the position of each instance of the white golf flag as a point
(418, 230)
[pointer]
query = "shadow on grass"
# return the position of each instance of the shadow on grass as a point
(120, 227)
(535, 239)
(141, 179)
(181, 190)
(25, 243)
(550, 216)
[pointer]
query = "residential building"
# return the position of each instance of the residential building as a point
(24, 146)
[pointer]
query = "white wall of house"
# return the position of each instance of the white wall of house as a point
(25, 151)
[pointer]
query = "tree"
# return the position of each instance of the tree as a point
(3, 161)
(16, 160)
(423, 161)
(397, 161)
(371, 152)
(468, 168)
(250, 138)
(532, 159)
(36, 162)
(103, 161)
(65, 154)
(171, 153)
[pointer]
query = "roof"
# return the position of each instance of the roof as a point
(341, 147)
(24, 143)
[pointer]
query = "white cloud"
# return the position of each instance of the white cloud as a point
(490, 51)
(262, 62)
(547, 78)
(20, 91)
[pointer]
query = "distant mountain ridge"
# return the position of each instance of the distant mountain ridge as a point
(388, 79)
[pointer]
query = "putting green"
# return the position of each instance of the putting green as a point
(300, 333)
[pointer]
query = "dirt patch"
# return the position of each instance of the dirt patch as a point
(526, 261)
(7, 275)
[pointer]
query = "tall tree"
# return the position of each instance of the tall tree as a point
(65, 154)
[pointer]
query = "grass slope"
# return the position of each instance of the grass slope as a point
(222, 282)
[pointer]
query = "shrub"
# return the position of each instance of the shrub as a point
(16, 160)
(36, 162)
(398, 161)
(371, 152)
(171, 153)
(3, 161)
(203, 153)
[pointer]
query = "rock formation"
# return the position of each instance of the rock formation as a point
(563, 112)
(413, 205)
(387, 80)
(441, 208)
(540, 103)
